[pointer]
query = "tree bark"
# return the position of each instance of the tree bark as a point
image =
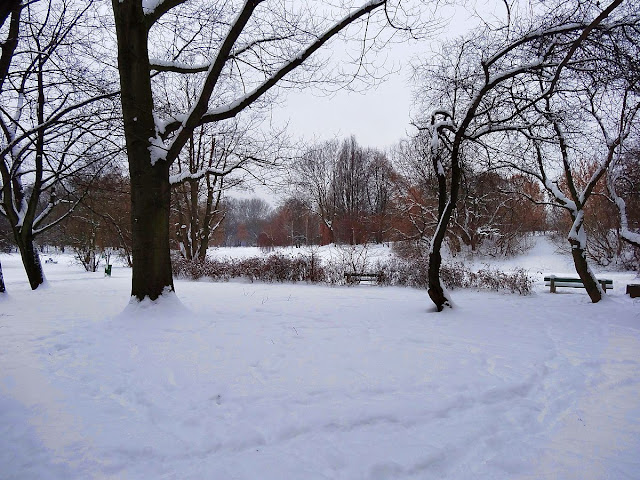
(150, 203)
(2, 287)
(578, 253)
(211, 211)
(150, 189)
(445, 210)
(436, 292)
(30, 260)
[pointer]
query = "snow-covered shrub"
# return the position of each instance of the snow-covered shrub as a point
(274, 268)
(354, 258)
(487, 278)
(280, 268)
(194, 269)
(455, 275)
(333, 272)
(394, 271)
(315, 271)
(250, 268)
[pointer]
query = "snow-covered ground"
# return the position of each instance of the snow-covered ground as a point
(278, 381)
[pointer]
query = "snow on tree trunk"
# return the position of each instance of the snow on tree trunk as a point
(578, 240)
(445, 211)
(150, 189)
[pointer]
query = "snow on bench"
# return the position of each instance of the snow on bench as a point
(554, 281)
(353, 278)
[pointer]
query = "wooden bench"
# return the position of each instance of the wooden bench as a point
(553, 282)
(353, 278)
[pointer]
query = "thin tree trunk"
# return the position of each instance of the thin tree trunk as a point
(212, 211)
(582, 268)
(150, 189)
(2, 287)
(436, 292)
(577, 239)
(445, 210)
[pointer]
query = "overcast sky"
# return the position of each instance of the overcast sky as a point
(380, 116)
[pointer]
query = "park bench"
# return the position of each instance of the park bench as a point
(553, 281)
(353, 278)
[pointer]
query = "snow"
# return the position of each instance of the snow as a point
(149, 6)
(271, 381)
(157, 149)
(368, 255)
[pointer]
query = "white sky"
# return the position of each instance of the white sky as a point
(381, 116)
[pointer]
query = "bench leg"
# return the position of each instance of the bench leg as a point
(552, 286)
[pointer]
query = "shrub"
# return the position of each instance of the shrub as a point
(408, 272)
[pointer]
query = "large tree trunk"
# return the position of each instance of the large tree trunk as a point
(30, 260)
(150, 203)
(150, 192)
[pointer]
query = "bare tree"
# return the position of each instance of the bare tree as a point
(568, 193)
(54, 120)
(380, 186)
(313, 179)
(244, 220)
(100, 224)
(215, 161)
(240, 52)
(597, 100)
(350, 179)
(623, 184)
(485, 82)
(10, 9)
(416, 205)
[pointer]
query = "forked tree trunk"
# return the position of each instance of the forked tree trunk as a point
(205, 233)
(150, 190)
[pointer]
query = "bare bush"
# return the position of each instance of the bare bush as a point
(407, 272)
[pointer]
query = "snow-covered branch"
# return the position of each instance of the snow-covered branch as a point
(155, 9)
(201, 114)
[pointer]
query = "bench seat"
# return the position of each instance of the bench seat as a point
(554, 281)
(353, 278)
